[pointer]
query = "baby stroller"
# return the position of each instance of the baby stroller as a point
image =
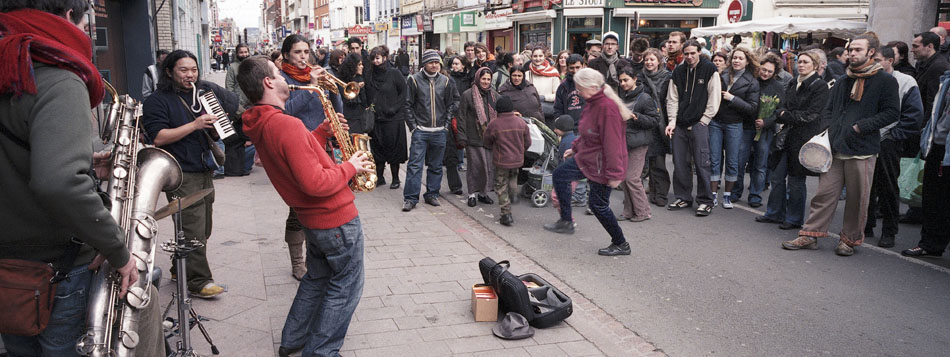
(540, 161)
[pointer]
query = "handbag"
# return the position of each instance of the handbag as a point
(815, 155)
(369, 119)
(27, 289)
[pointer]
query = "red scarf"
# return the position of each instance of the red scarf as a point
(32, 35)
(300, 75)
(544, 70)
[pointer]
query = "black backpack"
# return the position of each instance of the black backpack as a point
(541, 304)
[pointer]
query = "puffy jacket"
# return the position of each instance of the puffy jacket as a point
(526, 100)
(431, 102)
(744, 106)
(640, 130)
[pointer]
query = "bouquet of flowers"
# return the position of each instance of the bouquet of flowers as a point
(767, 105)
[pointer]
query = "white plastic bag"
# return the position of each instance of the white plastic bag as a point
(537, 140)
(815, 155)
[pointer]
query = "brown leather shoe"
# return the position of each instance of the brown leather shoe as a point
(802, 242)
(844, 250)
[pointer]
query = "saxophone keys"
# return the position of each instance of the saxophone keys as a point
(146, 227)
(141, 260)
(130, 339)
(136, 298)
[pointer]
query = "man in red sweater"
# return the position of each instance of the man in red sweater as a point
(316, 188)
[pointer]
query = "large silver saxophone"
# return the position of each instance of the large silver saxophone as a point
(139, 175)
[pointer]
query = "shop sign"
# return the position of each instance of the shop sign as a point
(382, 26)
(326, 22)
(734, 12)
(359, 30)
(427, 22)
(310, 26)
(497, 19)
(583, 3)
(407, 22)
(419, 26)
(663, 2)
(468, 19)
(338, 34)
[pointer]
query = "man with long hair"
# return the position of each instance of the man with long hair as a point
(175, 121)
(310, 181)
(48, 84)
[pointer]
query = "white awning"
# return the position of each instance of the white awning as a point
(666, 12)
(533, 16)
(789, 25)
(584, 12)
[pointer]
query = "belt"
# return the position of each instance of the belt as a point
(430, 129)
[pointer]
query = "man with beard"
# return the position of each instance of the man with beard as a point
(674, 49)
(861, 103)
(238, 151)
(610, 63)
(566, 99)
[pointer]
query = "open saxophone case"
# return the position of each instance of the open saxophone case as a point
(529, 295)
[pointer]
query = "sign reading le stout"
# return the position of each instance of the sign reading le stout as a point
(583, 3)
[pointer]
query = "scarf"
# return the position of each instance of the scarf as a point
(866, 70)
(801, 79)
(32, 35)
(653, 80)
(611, 65)
(483, 109)
(544, 70)
(673, 60)
(299, 75)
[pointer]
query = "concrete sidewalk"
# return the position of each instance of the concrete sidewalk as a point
(420, 267)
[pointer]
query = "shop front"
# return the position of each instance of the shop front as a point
(411, 38)
(655, 19)
(500, 31)
(392, 41)
(380, 35)
(337, 39)
(359, 31)
(533, 28)
(458, 27)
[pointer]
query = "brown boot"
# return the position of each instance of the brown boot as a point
(298, 261)
(802, 242)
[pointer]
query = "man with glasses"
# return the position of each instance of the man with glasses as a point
(610, 63)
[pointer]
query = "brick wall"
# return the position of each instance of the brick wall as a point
(164, 29)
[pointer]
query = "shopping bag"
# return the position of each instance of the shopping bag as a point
(911, 181)
(815, 155)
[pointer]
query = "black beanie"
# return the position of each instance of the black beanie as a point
(564, 123)
(503, 105)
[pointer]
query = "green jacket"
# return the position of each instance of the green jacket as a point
(46, 194)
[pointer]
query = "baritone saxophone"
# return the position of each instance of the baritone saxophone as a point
(138, 176)
(349, 143)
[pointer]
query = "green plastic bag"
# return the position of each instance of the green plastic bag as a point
(911, 181)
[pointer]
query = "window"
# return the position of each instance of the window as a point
(359, 15)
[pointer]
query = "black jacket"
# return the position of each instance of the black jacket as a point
(389, 95)
(928, 78)
(879, 106)
(354, 109)
(567, 101)
(600, 64)
(640, 130)
(470, 131)
(430, 102)
(744, 106)
(463, 80)
(771, 87)
(526, 100)
(801, 115)
(691, 86)
(658, 91)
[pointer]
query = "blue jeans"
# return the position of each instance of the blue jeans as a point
(67, 320)
(726, 137)
(422, 142)
(219, 169)
(788, 195)
(599, 201)
(329, 292)
(249, 152)
(758, 152)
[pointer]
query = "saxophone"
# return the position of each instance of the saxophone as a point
(139, 174)
(349, 143)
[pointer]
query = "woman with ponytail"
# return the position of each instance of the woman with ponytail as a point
(599, 154)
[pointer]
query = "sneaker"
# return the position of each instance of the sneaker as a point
(394, 186)
(485, 199)
(432, 201)
(766, 219)
(704, 210)
(563, 227)
(640, 219)
(679, 204)
(886, 241)
(589, 212)
(408, 206)
(802, 242)
(210, 290)
(715, 199)
(472, 201)
(920, 253)
(613, 249)
(844, 250)
(506, 220)
(727, 202)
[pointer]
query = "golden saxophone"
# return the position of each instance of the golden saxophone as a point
(349, 143)
(139, 174)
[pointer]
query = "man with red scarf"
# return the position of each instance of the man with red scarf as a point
(306, 106)
(47, 85)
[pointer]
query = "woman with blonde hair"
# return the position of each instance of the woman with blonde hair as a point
(740, 104)
(599, 154)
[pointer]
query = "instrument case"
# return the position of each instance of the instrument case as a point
(529, 295)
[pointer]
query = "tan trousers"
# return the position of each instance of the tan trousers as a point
(635, 203)
(857, 176)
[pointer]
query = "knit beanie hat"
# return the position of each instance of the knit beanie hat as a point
(564, 123)
(504, 105)
(430, 56)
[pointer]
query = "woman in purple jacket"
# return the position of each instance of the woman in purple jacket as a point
(599, 154)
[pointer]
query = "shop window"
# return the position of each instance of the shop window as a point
(657, 31)
(534, 34)
(582, 29)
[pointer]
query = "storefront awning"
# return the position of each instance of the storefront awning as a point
(789, 25)
(584, 12)
(533, 16)
(666, 12)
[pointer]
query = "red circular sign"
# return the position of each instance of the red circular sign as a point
(734, 12)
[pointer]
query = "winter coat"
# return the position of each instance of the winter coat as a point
(928, 78)
(430, 102)
(640, 130)
(658, 88)
(354, 110)
(508, 139)
(801, 115)
(879, 107)
(567, 101)
(470, 131)
(744, 106)
(526, 100)
(463, 80)
(389, 95)
(600, 151)
(600, 65)
(771, 87)
(930, 129)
